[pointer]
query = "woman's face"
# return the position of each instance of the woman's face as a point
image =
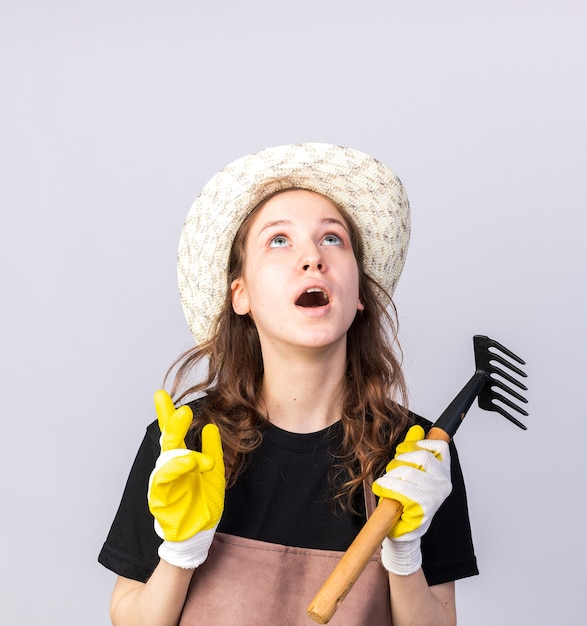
(300, 282)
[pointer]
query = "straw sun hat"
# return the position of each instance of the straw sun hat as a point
(366, 189)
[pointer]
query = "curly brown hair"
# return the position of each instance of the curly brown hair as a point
(374, 396)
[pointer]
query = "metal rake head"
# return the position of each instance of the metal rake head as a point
(489, 356)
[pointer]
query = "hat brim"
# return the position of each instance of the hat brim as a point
(368, 191)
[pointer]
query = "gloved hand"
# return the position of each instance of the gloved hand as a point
(419, 478)
(186, 488)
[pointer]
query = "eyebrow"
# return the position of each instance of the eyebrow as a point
(273, 224)
(324, 220)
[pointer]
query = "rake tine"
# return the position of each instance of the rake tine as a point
(504, 387)
(497, 396)
(497, 357)
(509, 378)
(502, 348)
(495, 407)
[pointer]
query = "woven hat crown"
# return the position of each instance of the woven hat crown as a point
(369, 192)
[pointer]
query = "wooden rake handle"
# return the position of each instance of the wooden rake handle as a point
(359, 553)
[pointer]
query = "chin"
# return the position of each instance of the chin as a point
(324, 340)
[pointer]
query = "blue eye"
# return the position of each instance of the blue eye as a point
(332, 240)
(278, 241)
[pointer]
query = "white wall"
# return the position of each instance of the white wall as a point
(115, 113)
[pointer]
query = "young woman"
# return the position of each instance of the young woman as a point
(287, 263)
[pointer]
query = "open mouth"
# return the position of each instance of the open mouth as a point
(313, 298)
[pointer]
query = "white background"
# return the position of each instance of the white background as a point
(115, 113)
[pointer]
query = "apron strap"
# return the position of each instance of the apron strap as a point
(370, 500)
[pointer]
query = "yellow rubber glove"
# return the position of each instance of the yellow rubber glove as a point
(419, 478)
(186, 488)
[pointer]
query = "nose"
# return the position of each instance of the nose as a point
(312, 258)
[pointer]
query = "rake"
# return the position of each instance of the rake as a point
(489, 383)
